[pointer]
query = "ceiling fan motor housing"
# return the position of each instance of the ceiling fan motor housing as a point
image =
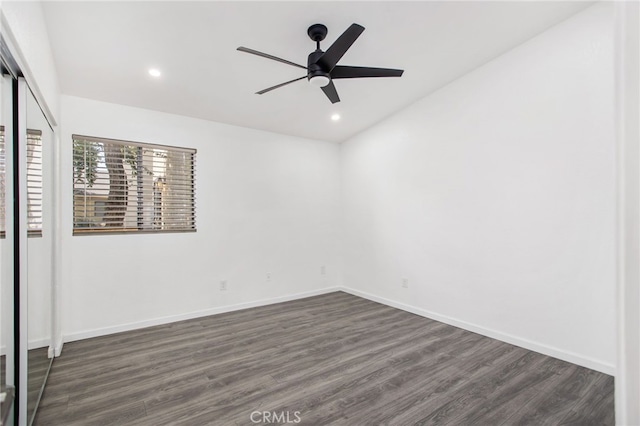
(315, 70)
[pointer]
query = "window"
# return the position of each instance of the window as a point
(34, 182)
(121, 186)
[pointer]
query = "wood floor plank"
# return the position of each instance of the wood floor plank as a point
(589, 410)
(125, 414)
(505, 400)
(336, 359)
(555, 402)
(434, 393)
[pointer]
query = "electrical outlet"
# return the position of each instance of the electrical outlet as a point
(268, 277)
(405, 283)
(223, 285)
(323, 270)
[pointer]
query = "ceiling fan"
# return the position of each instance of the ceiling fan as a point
(322, 67)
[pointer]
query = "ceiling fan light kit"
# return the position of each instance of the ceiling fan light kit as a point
(322, 66)
(319, 80)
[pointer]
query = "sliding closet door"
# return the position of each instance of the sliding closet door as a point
(32, 249)
(36, 289)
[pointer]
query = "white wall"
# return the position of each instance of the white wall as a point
(495, 196)
(25, 28)
(266, 203)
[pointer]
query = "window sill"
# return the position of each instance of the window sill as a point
(81, 232)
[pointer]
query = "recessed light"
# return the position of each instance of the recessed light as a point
(335, 117)
(154, 72)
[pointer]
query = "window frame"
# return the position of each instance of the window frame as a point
(81, 231)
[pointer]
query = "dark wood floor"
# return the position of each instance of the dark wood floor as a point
(38, 364)
(335, 359)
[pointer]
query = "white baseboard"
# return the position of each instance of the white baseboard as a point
(564, 355)
(57, 349)
(190, 315)
(38, 343)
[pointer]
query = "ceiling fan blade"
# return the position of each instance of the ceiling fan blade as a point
(331, 92)
(266, 55)
(333, 54)
(279, 85)
(360, 72)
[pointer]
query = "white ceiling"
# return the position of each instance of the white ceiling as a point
(104, 49)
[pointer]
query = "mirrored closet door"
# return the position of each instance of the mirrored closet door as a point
(38, 141)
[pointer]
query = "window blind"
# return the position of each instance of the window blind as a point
(122, 186)
(34, 182)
